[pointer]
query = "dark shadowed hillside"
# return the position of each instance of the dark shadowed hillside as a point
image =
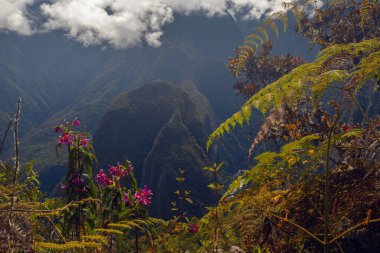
(160, 128)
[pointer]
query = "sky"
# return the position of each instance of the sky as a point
(118, 23)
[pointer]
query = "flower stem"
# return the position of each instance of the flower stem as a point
(326, 197)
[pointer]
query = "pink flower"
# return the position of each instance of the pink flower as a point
(102, 179)
(77, 180)
(146, 191)
(84, 142)
(114, 171)
(143, 196)
(193, 228)
(126, 197)
(65, 139)
(345, 127)
(64, 187)
(76, 122)
(119, 170)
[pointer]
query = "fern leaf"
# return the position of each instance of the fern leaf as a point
(96, 238)
(323, 81)
(366, 7)
(367, 69)
(270, 22)
(302, 143)
(109, 231)
(253, 36)
(291, 88)
(72, 245)
(354, 132)
(264, 32)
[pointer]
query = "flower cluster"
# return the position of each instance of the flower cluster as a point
(193, 228)
(76, 184)
(141, 196)
(116, 172)
(120, 171)
(65, 139)
(69, 137)
(103, 179)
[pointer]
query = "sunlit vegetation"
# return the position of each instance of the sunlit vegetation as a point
(317, 190)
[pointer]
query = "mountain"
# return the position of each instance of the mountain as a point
(59, 79)
(161, 128)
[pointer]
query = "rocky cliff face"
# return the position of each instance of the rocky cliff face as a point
(160, 127)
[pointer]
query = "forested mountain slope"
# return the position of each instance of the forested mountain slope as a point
(59, 79)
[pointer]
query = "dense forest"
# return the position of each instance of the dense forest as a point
(313, 183)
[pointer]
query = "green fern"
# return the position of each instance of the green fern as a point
(109, 231)
(366, 7)
(260, 33)
(96, 238)
(308, 78)
(271, 160)
(66, 247)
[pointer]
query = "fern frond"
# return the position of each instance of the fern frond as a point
(352, 133)
(323, 81)
(120, 225)
(156, 220)
(367, 69)
(297, 145)
(72, 245)
(263, 31)
(129, 224)
(270, 159)
(309, 77)
(271, 23)
(97, 238)
(355, 132)
(283, 17)
(366, 7)
(252, 37)
(109, 231)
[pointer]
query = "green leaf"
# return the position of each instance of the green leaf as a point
(133, 181)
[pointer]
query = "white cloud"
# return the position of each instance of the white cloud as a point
(153, 39)
(256, 8)
(13, 16)
(122, 23)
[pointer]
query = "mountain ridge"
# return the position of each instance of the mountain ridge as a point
(174, 139)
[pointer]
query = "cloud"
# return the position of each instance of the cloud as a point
(256, 9)
(122, 23)
(13, 16)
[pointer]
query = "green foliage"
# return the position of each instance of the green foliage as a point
(92, 217)
(309, 78)
(79, 246)
(109, 231)
(284, 203)
(260, 34)
(272, 162)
